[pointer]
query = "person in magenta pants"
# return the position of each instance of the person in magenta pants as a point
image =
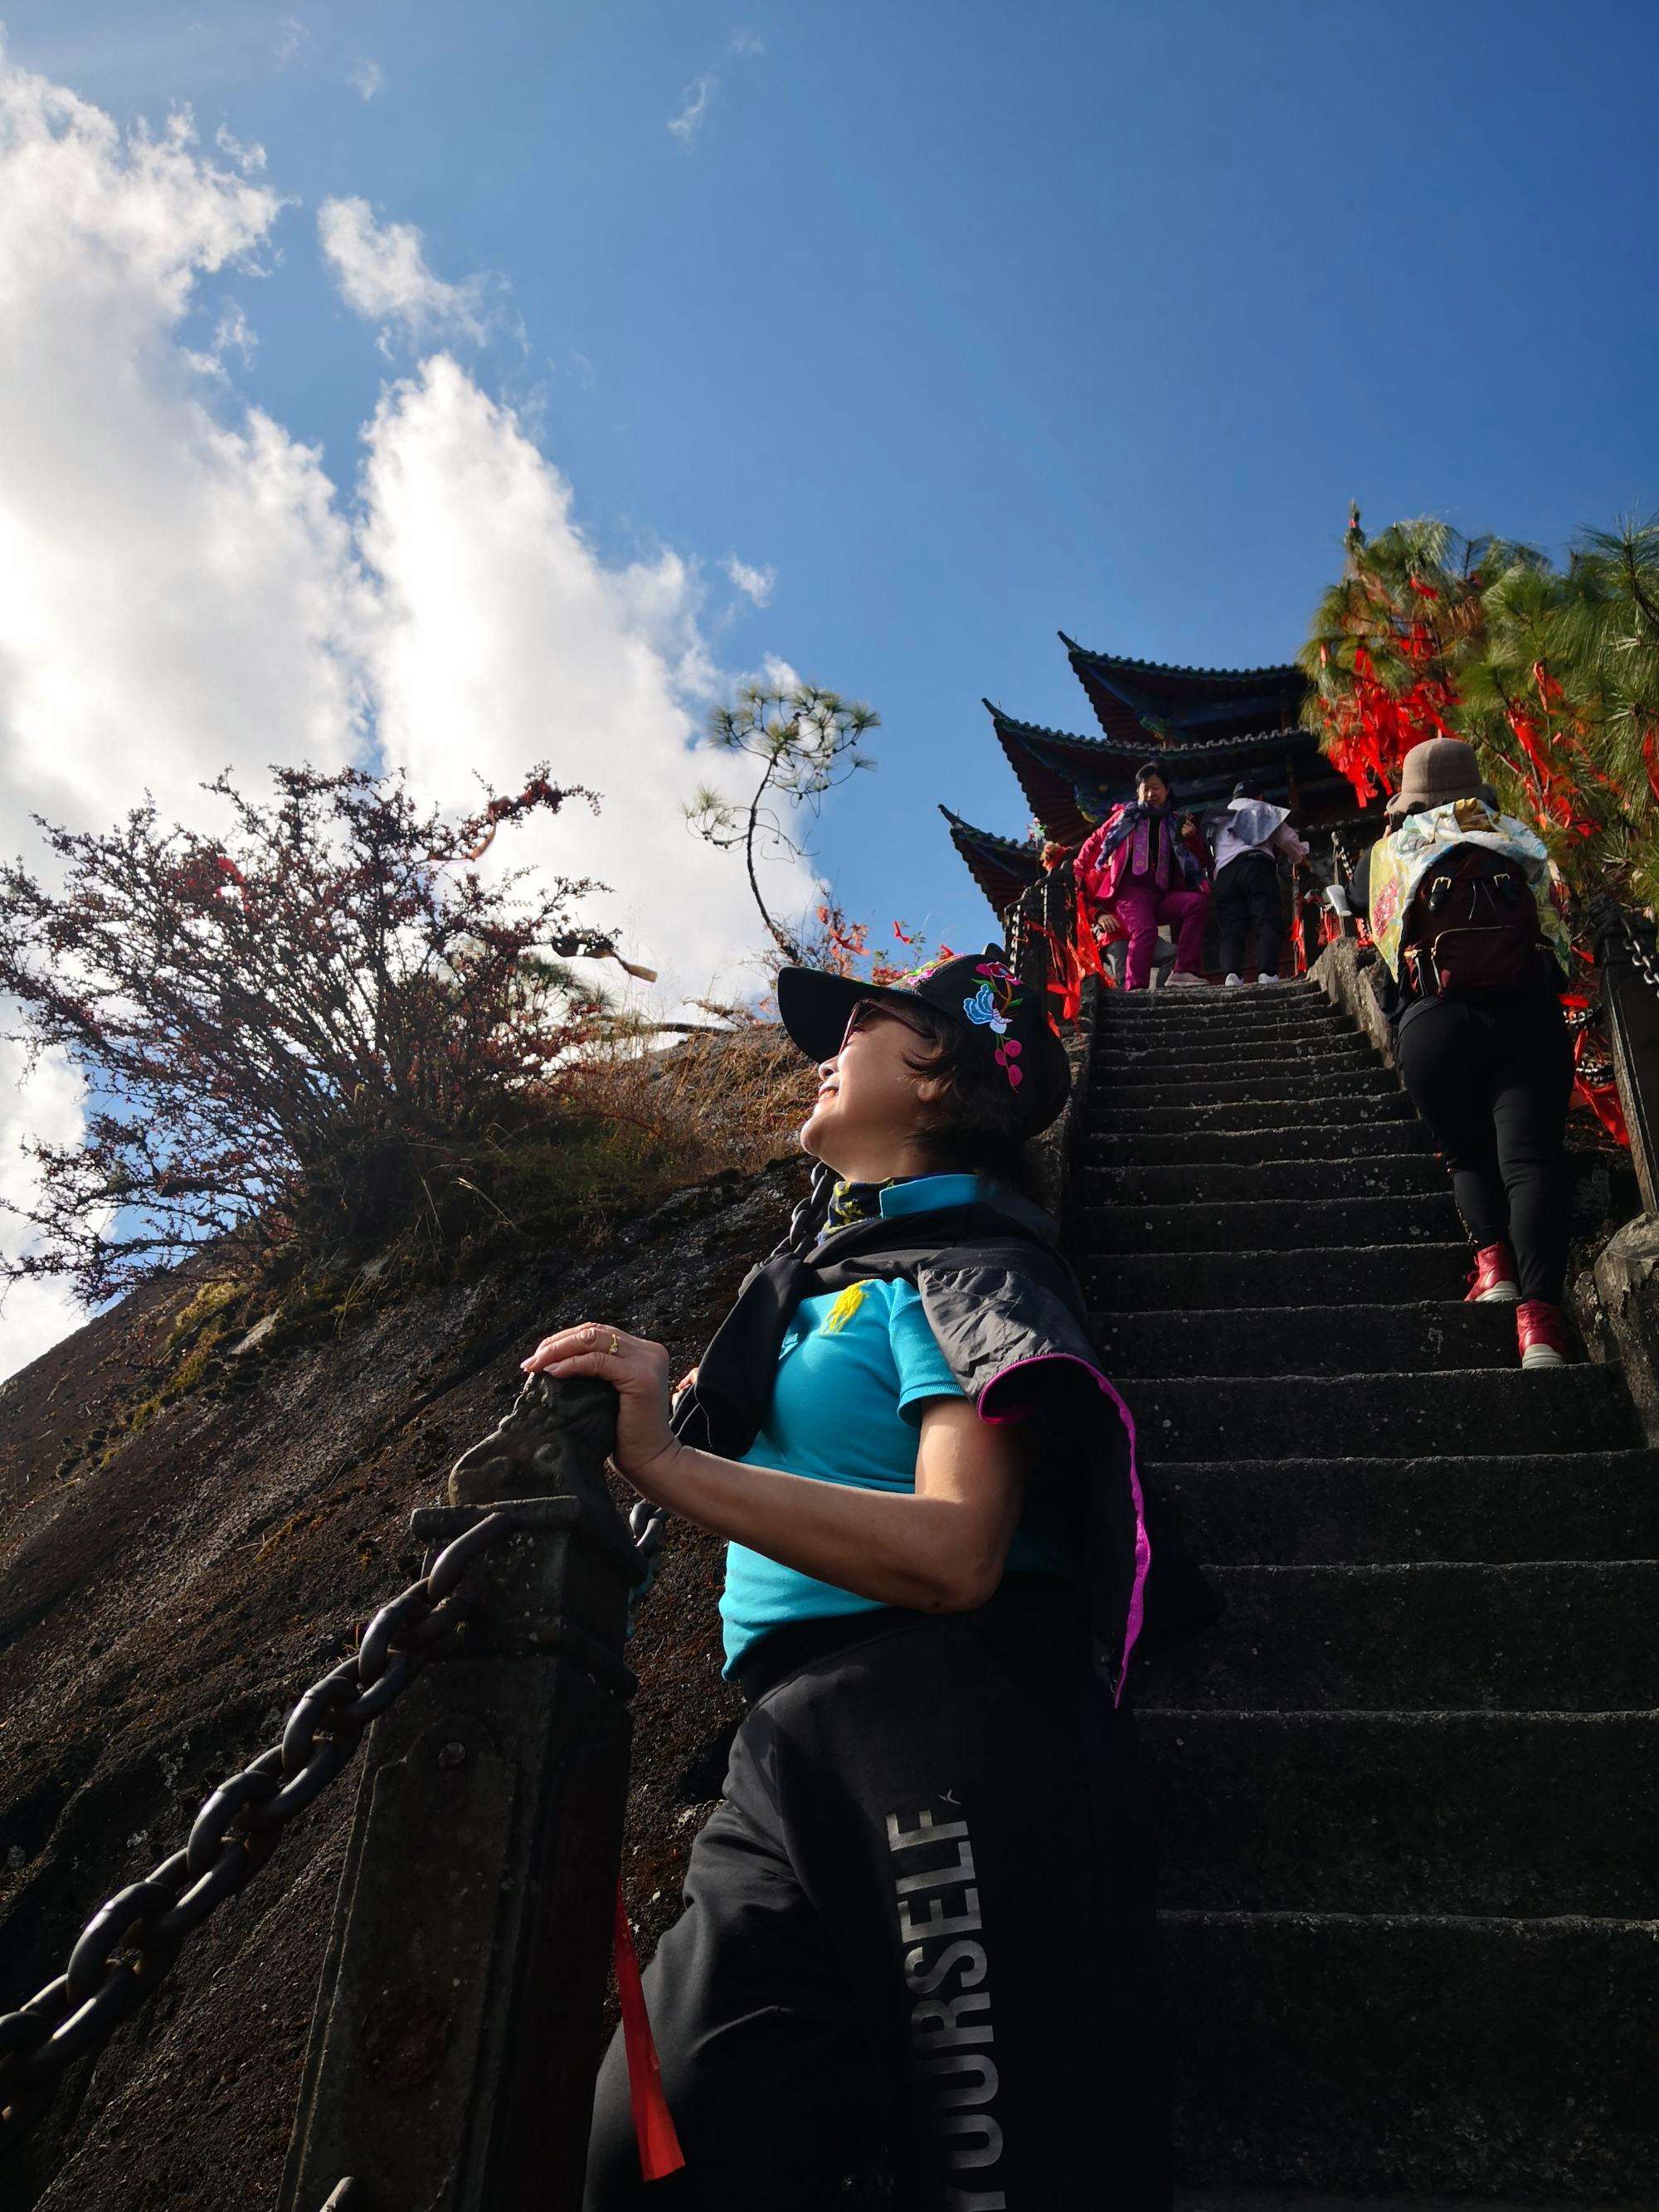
(1147, 865)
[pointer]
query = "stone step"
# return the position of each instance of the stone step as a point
(1147, 1282)
(1402, 1174)
(1272, 1225)
(1470, 1409)
(1260, 1341)
(1165, 1005)
(1378, 1512)
(1513, 1814)
(1308, 1030)
(1235, 1117)
(1305, 1019)
(1118, 1055)
(1365, 1079)
(1423, 2054)
(1217, 1141)
(1545, 1636)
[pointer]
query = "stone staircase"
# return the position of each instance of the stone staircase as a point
(1409, 1788)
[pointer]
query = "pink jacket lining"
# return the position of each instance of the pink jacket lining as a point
(1143, 1543)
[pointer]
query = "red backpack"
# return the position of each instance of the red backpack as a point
(1471, 927)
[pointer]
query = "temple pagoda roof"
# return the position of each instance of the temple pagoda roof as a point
(1150, 704)
(1001, 867)
(1070, 782)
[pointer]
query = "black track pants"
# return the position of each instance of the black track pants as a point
(1246, 896)
(1493, 1081)
(919, 1928)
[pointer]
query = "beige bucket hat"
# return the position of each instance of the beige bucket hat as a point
(1436, 772)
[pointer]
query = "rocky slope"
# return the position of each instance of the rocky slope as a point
(159, 1611)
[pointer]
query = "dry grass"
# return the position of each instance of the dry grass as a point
(733, 1099)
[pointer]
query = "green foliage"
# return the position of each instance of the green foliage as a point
(1552, 674)
(806, 741)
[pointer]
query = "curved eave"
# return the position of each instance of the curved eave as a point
(1001, 868)
(1070, 782)
(1154, 703)
(1050, 782)
(1176, 671)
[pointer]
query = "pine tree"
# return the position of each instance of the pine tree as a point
(1553, 675)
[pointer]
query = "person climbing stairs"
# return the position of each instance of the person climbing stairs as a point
(1407, 1788)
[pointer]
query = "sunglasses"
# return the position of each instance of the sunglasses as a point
(868, 1012)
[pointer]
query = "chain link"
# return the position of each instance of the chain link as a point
(1641, 949)
(1608, 918)
(234, 1834)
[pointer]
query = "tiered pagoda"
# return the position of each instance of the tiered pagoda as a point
(1206, 727)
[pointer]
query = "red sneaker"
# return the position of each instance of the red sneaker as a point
(1539, 1333)
(1495, 1283)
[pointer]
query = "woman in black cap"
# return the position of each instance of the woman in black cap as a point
(917, 1930)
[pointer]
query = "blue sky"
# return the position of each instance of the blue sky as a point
(474, 384)
(973, 322)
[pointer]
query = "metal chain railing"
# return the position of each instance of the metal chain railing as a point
(1638, 943)
(232, 1835)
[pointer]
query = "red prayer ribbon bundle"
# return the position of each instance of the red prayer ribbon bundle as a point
(1601, 1097)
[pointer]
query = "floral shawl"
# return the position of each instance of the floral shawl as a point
(1404, 857)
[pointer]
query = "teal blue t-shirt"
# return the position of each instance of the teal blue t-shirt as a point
(855, 1369)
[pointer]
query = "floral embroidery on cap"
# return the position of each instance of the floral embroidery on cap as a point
(983, 1010)
(992, 1007)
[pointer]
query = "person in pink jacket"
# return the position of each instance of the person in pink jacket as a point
(1145, 865)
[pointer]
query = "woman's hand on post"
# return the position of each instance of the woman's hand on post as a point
(639, 1369)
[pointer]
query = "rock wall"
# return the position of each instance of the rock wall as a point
(159, 1611)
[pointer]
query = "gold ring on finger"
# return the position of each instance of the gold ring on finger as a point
(615, 1345)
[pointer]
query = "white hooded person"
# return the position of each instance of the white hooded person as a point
(1248, 841)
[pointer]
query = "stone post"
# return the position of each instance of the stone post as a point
(1625, 947)
(456, 2037)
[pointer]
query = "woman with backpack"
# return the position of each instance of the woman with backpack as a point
(1147, 864)
(918, 1928)
(1458, 899)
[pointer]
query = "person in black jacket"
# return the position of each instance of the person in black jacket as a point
(1490, 1071)
(918, 1928)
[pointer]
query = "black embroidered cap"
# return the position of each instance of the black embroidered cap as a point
(979, 991)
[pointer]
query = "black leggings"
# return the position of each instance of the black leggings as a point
(1493, 1081)
(918, 1928)
(1247, 893)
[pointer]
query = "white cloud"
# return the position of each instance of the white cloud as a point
(47, 1104)
(693, 107)
(367, 79)
(504, 638)
(758, 584)
(694, 101)
(382, 273)
(292, 37)
(187, 590)
(178, 586)
(250, 159)
(235, 333)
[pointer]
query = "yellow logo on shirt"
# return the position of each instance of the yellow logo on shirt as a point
(846, 1306)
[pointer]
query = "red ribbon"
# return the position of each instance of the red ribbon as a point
(654, 2125)
(1601, 1098)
